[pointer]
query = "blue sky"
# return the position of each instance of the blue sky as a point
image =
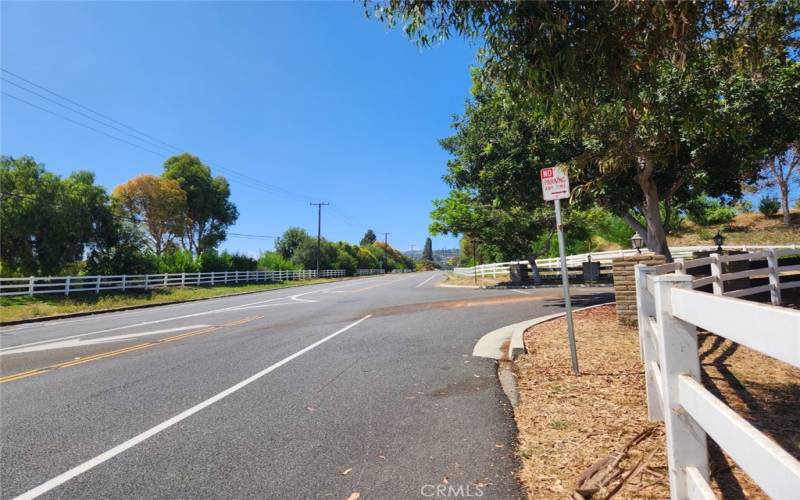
(309, 97)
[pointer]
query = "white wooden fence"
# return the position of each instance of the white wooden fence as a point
(66, 285)
(669, 313)
(574, 261)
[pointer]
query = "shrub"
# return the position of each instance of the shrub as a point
(705, 211)
(273, 261)
(769, 206)
(177, 261)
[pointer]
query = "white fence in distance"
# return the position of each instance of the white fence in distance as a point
(669, 313)
(605, 258)
(65, 285)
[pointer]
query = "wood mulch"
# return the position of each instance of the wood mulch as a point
(590, 433)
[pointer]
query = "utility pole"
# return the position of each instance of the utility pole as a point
(319, 230)
(412, 250)
(386, 250)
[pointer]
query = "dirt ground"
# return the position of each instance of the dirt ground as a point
(569, 423)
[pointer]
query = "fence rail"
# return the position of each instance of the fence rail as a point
(604, 258)
(669, 313)
(66, 285)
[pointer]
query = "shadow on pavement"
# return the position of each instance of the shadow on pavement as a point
(584, 300)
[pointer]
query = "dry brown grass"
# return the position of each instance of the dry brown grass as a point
(567, 423)
(750, 228)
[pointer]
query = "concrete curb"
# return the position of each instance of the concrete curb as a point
(145, 306)
(517, 345)
(491, 344)
(526, 287)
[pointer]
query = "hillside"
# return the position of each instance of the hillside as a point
(750, 228)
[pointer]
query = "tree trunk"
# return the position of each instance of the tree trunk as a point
(655, 237)
(787, 213)
(535, 275)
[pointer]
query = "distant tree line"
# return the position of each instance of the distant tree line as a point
(296, 249)
(170, 223)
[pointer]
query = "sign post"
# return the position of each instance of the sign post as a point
(555, 187)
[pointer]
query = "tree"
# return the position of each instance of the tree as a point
(48, 222)
(427, 250)
(290, 240)
(643, 86)
(157, 204)
(369, 238)
(783, 169)
(209, 211)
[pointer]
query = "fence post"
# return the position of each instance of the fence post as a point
(124, 279)
(716, 271)
(66, 285)
(183, 280)
(30, 285)
(774, 277)
(680, 266)
(686, 441)
(646, 309)
(146, 281)
(166, 276)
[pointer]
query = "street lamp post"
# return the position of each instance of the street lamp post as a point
(636, 242)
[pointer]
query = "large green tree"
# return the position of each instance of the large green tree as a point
(209, 211)
(48, 222)
(290, 240)
(641, 85)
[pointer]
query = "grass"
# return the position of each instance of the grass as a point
(568, 423)
(457, 279)
(22, 307)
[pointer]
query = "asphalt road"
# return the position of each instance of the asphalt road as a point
(362, 386)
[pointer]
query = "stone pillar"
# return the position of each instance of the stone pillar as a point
(625, 283)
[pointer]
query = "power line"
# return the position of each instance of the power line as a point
(80, 124)
(242, 178)
(86, 115)
(84, 107)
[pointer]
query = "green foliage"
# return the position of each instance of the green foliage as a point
(707, 211)
(666, 100)
(273, 261)
(769, 205)
(177, 260)
(369, 238)
(427, 251)
(209, 210)
(290, 240)
(610, 227)
(47, 222)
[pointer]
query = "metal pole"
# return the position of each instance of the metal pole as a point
(565, 281)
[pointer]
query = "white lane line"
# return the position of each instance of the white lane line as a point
(521, 291)
(427, 280)
(65, 344)
(103, 457)
(18, 329)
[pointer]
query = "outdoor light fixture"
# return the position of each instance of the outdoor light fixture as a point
(719, 240)
(636, 241)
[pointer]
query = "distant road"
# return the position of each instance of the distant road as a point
(312, 392)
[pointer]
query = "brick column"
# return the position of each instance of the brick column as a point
(625, 283)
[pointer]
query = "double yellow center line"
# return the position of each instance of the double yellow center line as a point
(117, 352)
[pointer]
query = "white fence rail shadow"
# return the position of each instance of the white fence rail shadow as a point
(604, 258)
(65, 285)
(669, 313)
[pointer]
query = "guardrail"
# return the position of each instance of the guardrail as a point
(669, 313)
(605, 258)
(66, 285)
